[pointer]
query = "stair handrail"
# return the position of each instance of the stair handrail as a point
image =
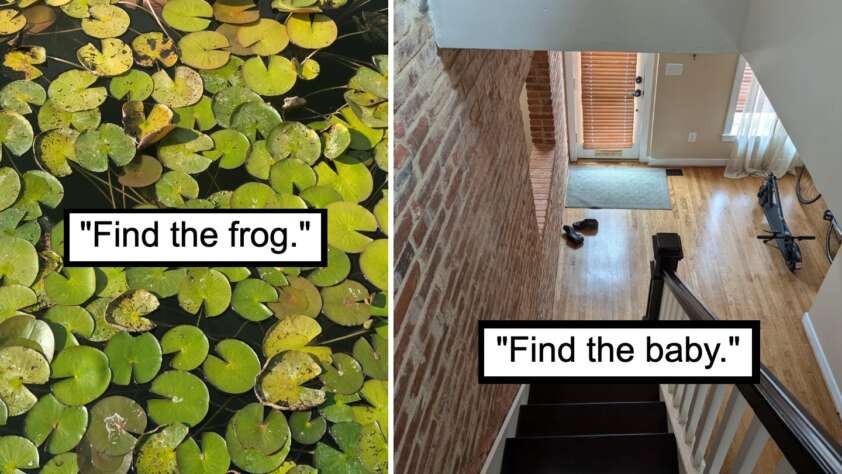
(802, 440)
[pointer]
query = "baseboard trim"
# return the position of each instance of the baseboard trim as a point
(494, 462)
(687, 162)
(824, 364)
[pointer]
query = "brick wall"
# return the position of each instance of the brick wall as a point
(539, 96)
(466, 241)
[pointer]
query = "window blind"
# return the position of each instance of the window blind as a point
(745, 86)
(607, 81)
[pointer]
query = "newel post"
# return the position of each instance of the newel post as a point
(667, 251)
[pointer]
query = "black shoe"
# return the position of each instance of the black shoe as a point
(573, 236)
(586, 224)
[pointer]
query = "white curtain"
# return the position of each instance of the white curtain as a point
(762, 145)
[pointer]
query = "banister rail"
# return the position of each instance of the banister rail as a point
(806, 446)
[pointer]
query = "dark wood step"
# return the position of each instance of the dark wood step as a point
(604, 454)
(592, 418)
(593, 393)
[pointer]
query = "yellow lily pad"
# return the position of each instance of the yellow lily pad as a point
(281, 385)
(11, 21)
(204, 49)
(274, 79)
(106, 21)
(113, 59)
(71, 91)
(311, 31)
(237, 12)
(188, 15)
(182, 90)
(23, 60)
(154, 47)
(267, 37)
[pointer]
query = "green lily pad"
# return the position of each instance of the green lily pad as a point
(361, 449)
(199, 115)
(25, 330)
(266, 37)
(188, 343)
(337, 138)
(181, 149)
(297, 6)
(16, 453)
(249, 297)
(9, 187)
(71, 91)
(81, 375)
(186, 399)
(135, 359)
(115, 421)
(261, 434)
(157, 451)
(144, 171)
(106, 21)
(51, 117)
(94, 147)
(320, 196)
(92, 460)
(254, 195)
(306, 429)
(66, 463)
(18, 261)
(110, 281)
(103, 330)
(217, 80)
(234, 274)
(228, 100)
(337, 408)
(39, 188)
(374, 358)
(231, 148)
(337, 269)
(363, 137)
(295, 333)
(381, 212)
(16, 133)
(161, 281)
(73, 286)
(272, 79)
(351, 179)
(50, 419)
(204, 288)
(345, 304)
(374, 262)
(236, 371)
(19, 367)
(370, 81)
(376, 393)
(299, 297)
(290, 175)
(281, 384)
(174, 186)
(13, 225)
(133, 85)
(184, 89)
(153, 47)
(212, 458)
(73, 321)
(311, 31)
(345, 222)
(295, 140)
(17, 96)
(16, 297)
(381, 154)
(188, 15)
(255, 117)
(344, 375)
(204, 49)
(112, 59)
(56, 149)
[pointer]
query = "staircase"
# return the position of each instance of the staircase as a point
(592, 428)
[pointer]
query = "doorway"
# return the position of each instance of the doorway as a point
(609, 103)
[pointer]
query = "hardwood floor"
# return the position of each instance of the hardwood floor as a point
(733, 273)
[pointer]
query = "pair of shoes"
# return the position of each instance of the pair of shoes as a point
(572, 233)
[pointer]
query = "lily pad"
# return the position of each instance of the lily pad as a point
(290, 175)
(18, 261)
(147, 129)
(81, 374)
(228, 100)
(74, 320)
(153, 47)
(135, 359)
(295, 140)
(255, 117)
(39, 188)
(184, 89)
(73, 286)
(199, 115)
(272, 79)
(95, 147)
(181, 149)
(212, 458)
(236, 371)
(231, 148)
(157, 452)
(204, 49)
(56, 149)
(127, 311)
(186, 399)
(106, 21)
(16, 133)
(188, 15)
(311, 31)
(266, 37)
(16, 453)
(25, 59)
(237, 12)
(217, 80)
(21, 366)
(345, 304)
(71, 91)
(141, 172)
(63, 426)
(381, 212)
(188, 343)
(110, 281)
(281, 384)
(112, 59)
(16, 297)
(337, 269)
(306, 429)
(161, 281)
(204, 288)
(363, 137)
(249, 297)
(25, 330)
(351, 180)
(133, 85)
(320, 196)
(174, 186)
(11, 21)
(299, 297)
(115, 421)
(362, 449)
(308, 69)
(345, 222)
(373, 357)
(295, 333)
(336, 139)
(374, 262)
(66, 463)
(376, 393)
(17, 96)
(260, 436)
(254, 195)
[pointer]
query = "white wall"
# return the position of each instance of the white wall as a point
(581, 25)
(823, 325)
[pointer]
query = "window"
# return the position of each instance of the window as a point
(739, 98)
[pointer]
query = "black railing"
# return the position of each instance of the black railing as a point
(804, 443)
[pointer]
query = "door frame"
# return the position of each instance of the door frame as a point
(646, 64)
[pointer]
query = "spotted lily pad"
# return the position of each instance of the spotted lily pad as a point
(188, 15)
(345, 222)
(106, 21)
(16, 453)
(174, 186)
(299, 297)
(39, 188)
(17, 96)
(336, 139)
(115, 421)
(21, 366)
(127, 311)
(56, 149)
(95, 147)
(71, 91)
(295, 333)
(212, 458)
(204, 49)
(11, 21)
(249, 297)
(255, 117)
(282, 383)
(351, 180)
(73, 286)
(25, 60)
(311, 31)
(81, 375)
(112, 59)
(186, 399)
(153, 47)
(204, 288)
(16, 133)
(110, 281)
(157, 452)
(181, 149)
(236, 370)
(346, 304)
(376, 393)
(147, 129)
(295, 140)
(228, 100)
(103, 330)
(188, 343)
(184, 89)
(269, 79)
(63, 426)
